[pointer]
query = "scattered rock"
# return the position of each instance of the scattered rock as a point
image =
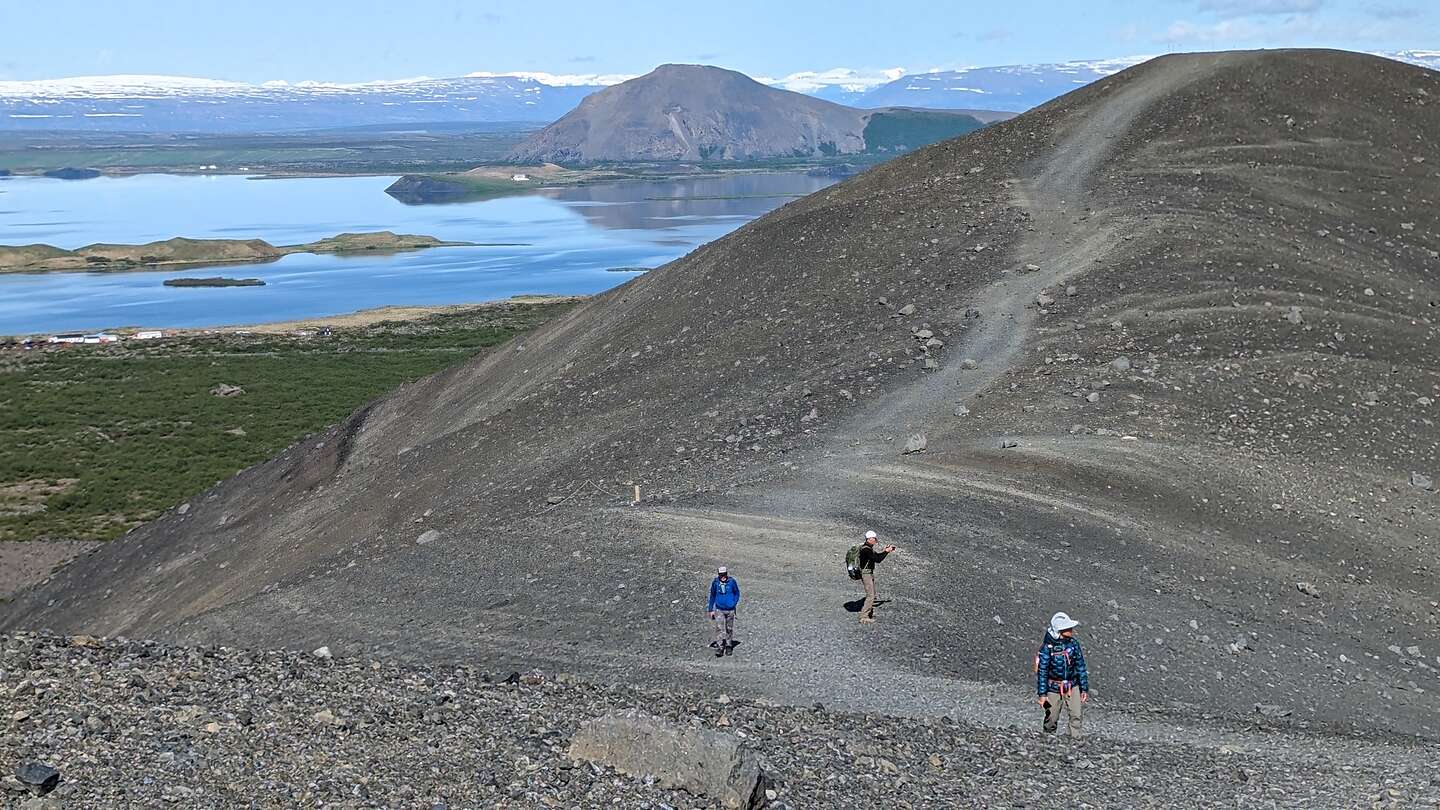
(325, 717)
(1422, 481)
(427, 537)
(1120, 364)
(38, 777)
(226, 390)
(1293, 316)
(915, 444)
(1308, 589)
(908, 309)
(1272, 711)
(701, 761)
(322, 653)
(969, 363)
(1044, 299)
(1006, 444)
(1031, 268)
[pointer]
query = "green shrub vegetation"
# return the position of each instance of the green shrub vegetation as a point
(97, 439)
(903, 130)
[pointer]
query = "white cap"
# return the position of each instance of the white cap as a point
(869, 535)
(722, 570)
(1062, 621)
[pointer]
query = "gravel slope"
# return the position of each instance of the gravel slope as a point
(1215, 445)
(132, 724)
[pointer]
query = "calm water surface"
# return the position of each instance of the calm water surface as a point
(562, 241)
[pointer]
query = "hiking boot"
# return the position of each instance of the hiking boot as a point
(729, 648)
(719, 650)
(866, 620)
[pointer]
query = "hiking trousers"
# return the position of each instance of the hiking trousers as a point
(724, 628)
(1057, 702)
(867, 578)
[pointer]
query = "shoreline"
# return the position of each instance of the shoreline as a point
(353, 319)
(374, 315)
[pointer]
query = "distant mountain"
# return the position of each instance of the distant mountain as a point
(170, 104)
(697, 112)
(1017, 88)
(177, 104)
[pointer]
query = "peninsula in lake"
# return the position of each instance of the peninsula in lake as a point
(188, 252)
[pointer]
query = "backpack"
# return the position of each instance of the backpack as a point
(852, 562)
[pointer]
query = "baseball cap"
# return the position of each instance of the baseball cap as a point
(869, 535)
(722, 570)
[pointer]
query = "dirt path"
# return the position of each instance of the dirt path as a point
(809, 642)
(809, 645)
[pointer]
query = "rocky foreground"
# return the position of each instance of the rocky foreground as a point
(140, 724)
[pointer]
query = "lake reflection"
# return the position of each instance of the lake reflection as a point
(558, 241)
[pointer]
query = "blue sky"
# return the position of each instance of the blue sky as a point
(359, 40)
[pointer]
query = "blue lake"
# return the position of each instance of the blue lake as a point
(561, 241)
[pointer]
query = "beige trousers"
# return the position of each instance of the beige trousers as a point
(1055, 703)
(868, 580)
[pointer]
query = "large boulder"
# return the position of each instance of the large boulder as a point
(701, 761)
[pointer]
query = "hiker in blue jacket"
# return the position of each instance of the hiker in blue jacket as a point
(724, 598)
(1061, 682)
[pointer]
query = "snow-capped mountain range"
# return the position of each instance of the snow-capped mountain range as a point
(179, 104)
(1016, 88)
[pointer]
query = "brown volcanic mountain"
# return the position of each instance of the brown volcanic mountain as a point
(697, 112)
(1200, 297)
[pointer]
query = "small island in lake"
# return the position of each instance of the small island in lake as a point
(72, 173)
(190, 252)
(215, 281)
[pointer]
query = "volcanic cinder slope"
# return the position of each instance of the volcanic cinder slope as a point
(1255, 232)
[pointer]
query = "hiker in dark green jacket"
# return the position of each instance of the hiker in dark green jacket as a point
(870, 553)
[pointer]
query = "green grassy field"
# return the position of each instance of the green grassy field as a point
(97, 439)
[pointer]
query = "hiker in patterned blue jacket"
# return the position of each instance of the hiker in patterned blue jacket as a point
(1061, 682)
(724, 598)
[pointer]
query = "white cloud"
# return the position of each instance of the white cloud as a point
(809, 81)
(1294, 30)
(1224, 31)
(1245, 8)
(1393, 11)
